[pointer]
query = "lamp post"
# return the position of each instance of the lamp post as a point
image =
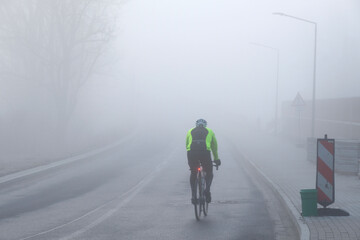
(277, 81)
(314, 70)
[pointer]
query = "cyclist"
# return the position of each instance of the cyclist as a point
(200, 141)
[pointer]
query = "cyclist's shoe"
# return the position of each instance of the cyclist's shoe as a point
(194, 201)
(208, 197)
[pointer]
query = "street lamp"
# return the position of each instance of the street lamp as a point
(277, 81)
(314, 73)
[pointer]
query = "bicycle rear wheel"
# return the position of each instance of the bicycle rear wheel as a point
(197, 205)
(205, 205)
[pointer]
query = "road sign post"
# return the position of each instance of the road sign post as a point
(299, 104)
(325, 167)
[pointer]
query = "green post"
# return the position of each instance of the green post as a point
(309, 202)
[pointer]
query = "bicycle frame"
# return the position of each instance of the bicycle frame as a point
(201, 207)
(202, 184)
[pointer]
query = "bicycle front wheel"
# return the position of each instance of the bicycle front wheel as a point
(205, 208)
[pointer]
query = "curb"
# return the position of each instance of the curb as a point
(300, 223)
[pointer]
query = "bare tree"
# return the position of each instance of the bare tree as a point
(55, 43)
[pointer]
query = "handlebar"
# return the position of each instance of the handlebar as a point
(215, 165)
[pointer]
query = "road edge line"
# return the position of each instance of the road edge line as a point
(41, 168)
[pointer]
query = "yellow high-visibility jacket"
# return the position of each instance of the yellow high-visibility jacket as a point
(202, 139)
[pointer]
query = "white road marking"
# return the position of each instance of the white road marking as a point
(34, 170)
(128, 196)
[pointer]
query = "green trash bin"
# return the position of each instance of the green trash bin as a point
(309, 202)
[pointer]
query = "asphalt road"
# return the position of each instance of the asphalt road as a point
(141, 191)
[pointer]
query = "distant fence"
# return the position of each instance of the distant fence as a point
(347, 155)
(338, 118)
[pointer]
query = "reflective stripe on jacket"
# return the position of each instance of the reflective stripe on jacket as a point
(201, 139)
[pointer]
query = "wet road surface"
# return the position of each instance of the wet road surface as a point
(130, 194)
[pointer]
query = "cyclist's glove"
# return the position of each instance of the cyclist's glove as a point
(217, 162)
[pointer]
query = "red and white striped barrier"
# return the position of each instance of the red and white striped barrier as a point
(325, 178)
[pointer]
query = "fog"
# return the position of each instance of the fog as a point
(75, 76)
(198, 59)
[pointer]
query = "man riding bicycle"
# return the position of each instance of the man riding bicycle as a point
(200, 141)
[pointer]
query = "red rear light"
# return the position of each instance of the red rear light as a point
(199, 169)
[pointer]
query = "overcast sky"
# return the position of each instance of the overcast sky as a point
(198, 54)
(173, 62)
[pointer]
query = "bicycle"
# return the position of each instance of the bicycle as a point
(201, 205)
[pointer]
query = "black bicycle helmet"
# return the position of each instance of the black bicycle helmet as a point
(201, 122)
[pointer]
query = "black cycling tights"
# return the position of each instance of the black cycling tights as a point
(193, 160)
